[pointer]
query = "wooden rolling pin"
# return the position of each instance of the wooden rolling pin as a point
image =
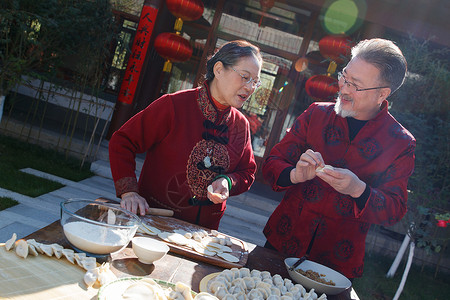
(151, 211)
(160, 212)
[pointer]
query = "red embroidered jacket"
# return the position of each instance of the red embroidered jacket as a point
(381, 155)
(178, 131)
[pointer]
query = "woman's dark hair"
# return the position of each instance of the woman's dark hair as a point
(229, 54)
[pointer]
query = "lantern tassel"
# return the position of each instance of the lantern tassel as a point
(167, 66)
(331, 68)
(178, 25)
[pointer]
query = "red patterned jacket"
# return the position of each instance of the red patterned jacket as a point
(381, 155)
(178, 131)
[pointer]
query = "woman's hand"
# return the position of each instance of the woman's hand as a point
(218, 191)
(305, 169)
(133, 202)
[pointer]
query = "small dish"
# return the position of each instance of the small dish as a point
(148, 250)
(341, 282)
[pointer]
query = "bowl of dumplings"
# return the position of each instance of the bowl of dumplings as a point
(315, 276)
(97, 228)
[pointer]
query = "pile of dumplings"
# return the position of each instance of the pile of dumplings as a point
(243, 284)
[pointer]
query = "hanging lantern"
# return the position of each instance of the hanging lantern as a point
(185, 10)
(322, 87)
(335, 47)
(265, 6)
(173, 47)
(301, 64)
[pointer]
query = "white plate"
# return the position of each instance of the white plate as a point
(115, 289)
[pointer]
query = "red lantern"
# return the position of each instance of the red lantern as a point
(266, 4)
(187, 10)
(173, 47)
(322, 87)
(335, 47)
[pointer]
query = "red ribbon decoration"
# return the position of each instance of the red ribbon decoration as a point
(138, 53)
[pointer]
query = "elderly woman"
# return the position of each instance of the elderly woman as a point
(198, 144)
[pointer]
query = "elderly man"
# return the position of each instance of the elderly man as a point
(345, 165)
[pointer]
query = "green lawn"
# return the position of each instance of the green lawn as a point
(419, 285)
(6, 202)
(16, 155)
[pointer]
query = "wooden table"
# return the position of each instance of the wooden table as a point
(174, 268)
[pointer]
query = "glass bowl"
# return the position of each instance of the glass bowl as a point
(97, 228)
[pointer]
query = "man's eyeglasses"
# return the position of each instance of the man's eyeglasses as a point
(353, 87)
(247, 79)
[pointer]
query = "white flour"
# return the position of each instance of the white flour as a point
(94, 238)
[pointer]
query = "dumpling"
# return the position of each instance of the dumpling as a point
(275, 291)
(173, 295)
(229, 297)
(21, 248)
(229, 275)
(255, 273)
(296, 292)
(236, 273)
(273, 297)
(277, 279)
(241, 296)
(249, 283)
(184, 289)
(236, 290)
(32, 250)
(264, 292)
(244, 272)
(221, 292)
(255, 294)
(257, 280)
(10, 243)
(215, 285)
(266, 274)
(239, 282)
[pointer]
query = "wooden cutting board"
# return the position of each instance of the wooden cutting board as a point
(239, 247)
(41, 277)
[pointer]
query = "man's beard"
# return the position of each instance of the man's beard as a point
(342, 112)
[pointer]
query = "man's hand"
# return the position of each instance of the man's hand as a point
(343, 180)
(133, 202)
(218, 191)
(305, 169)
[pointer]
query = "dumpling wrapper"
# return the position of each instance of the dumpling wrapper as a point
(178, 239)
(228, 257)
(320, 169)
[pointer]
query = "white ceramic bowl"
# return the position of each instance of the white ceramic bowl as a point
(342, 282)
(148, 250)
(97, 228)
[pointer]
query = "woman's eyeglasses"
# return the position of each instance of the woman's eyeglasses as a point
(248, 79)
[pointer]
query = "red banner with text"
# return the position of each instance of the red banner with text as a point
(138, 53)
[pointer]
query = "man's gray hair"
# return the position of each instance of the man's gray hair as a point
(385, 56)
